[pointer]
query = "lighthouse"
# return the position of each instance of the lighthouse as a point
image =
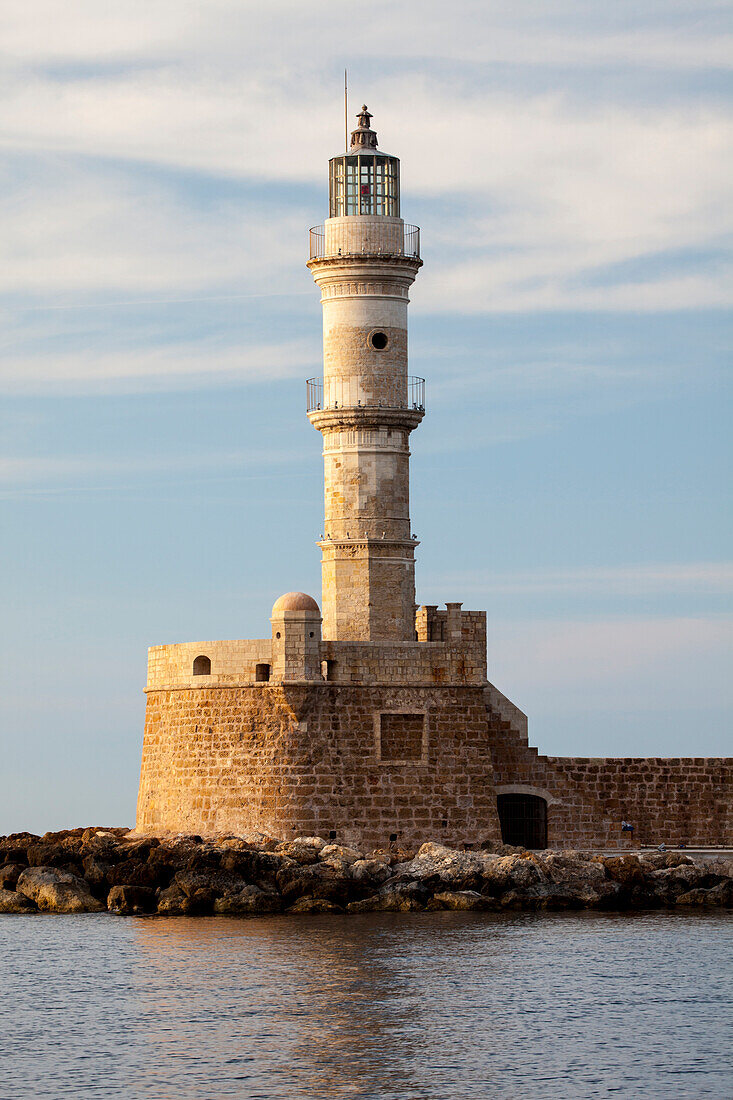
(364, 259)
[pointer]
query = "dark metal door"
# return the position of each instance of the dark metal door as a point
(523, 819)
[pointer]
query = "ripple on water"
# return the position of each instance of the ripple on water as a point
(437, 1006)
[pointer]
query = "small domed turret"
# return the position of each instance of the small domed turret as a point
(295, 601)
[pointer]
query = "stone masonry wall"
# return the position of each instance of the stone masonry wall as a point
(669, 801)
(305, 759)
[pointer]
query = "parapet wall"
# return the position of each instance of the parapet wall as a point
(459, 659)
(231, 662)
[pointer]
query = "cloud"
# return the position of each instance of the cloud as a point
(678, 34)
(653, 663)
(72, 472)
(139, 369)
(642, 579)
(145, 161)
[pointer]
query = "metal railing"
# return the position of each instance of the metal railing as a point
(408, 245)
(347, 394)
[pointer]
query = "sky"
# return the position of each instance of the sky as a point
(569, 165)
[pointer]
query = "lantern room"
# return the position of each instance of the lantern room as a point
(364, 181)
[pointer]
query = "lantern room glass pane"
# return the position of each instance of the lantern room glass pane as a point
(364, 183)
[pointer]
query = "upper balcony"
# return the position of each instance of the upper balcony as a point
(348, 394)
(365, 236)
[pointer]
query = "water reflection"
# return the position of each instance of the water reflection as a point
(438, 1006)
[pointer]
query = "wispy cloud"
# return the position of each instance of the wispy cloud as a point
(642, 579)
(644, 663)
(98, 369)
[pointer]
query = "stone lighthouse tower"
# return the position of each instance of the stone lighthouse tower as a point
(364, 259)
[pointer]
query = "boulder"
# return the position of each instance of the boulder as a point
(248, 900)
(299, 852)
(669, 882)
(402, 897)
(57, 891)
(173, 902)
(314, 905)
(720, 896)
(49, 854)
(461, 900)
(131, 900)
(340, 853)
(369, 872)
(444, 867)
(318, 880)
(627, 870)
(96, 872)
(137, 872)
(261, 868)
(569, 870)
(9, 874)
(658, 860)
(12, 902)
(509, 873)
(216, 882)
(303, 849)
(14, 848)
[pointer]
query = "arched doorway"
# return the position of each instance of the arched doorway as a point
(523, 819)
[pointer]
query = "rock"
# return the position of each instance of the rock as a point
(340, 852)
(14, 848)
(504, 873)
(48, 854)
(96, 872)
(576, 877)
(314, 905)
(9, 875)
(319, 881)
(468, 900)
(173, 901)
(720, 896)
(444, 867)
(669, 882)
(137, 848)
(135, 872)
(12, 902)
(249, 900)
(658, 860)
(215, 882)
(369, 872)
(131, 900)
(299, 852)
(625, 869)
(261, 868)
(405, 897)
(56, 891)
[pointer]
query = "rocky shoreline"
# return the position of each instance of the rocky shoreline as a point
(97, 869)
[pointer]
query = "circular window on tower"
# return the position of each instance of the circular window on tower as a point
(378, 339)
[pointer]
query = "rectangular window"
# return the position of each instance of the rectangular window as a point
(402, 738)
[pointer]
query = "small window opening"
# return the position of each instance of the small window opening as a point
(392, 837)
(262, 673)
(311, 635)
(328, 670)
(277, 635)
(379, 340)
(332, 834)
(444, 823)
(202, 666)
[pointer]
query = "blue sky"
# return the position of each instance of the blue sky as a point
(569, 165)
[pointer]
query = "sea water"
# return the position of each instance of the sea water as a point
(433, 1005)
